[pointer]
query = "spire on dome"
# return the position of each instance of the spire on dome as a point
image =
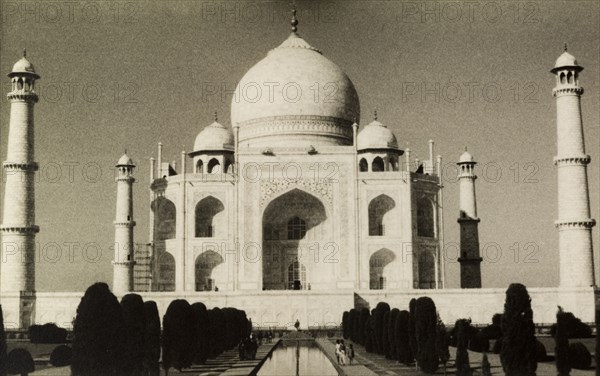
(565, 46)
(294, 20)
(216, 117)
(375, 114)
(24, 52)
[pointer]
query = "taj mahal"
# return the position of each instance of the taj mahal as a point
(301, 208)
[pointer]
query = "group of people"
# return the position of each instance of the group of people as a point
(344, 355)
(247, 348)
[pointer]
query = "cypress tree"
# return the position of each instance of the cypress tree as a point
(362, 322)
(385, 337)
(178, 336)
(355, 319)
(561, 341)
(2, 345)
(426, 332)
(98, 334)
(201, 332)
(151, 339)
(518, 355)
(135, 332)
(369, 333)
(597, 356)
(346, 324)
(402, 336)
(411, 327)
(392, 352)
(378, 315)
(463, 366)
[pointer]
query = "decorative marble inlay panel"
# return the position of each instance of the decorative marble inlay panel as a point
(321, 187)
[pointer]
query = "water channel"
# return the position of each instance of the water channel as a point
(297, 358)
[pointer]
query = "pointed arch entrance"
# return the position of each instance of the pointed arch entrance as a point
(292, 223)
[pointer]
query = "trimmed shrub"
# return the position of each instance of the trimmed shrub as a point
(493, 331)
(178, 336)
(479, 343)
(135, 332)
(518, 354)
(61, 356)
(579, 356)
(574, 327)
(540, 351)
(19, 362)
(561, 344)
(2, 345)
(47, 333)
(97, 333)
(462, 364)
(497, 346)
(151, 339)
(441, 343)
(346, 324)
(402, 336)
(426, 332)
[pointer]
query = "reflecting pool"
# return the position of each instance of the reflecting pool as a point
(301, 358)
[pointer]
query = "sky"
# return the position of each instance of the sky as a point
(128, 74)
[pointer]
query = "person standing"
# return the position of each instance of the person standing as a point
(342, 353)
(350, 354)
(337, 350)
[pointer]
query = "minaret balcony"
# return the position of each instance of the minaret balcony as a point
(574, 224)
(33, 229)
(124, 223)
(567, 90)
(573, 160)
(28, 166)
(22, 95)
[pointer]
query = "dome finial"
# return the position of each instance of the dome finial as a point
(465, 148)
(294, 20)
(375, 114)
(24, 52)
(565, 46)
(125, 150)
(216, 117)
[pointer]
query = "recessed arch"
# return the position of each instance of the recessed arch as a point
(199, 166)
(210, 217)
(378, 165)
(214, 166)
(363, 165)
(166, 272)
(291, 222)
(379, 270)
(425, 218)
(205, 267)
(228, 167)
(165, 217)
(393, 163)
(379, 215)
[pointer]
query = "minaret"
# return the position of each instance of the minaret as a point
(17, 269)
(574, 223)
(470, 261)
(124, 223)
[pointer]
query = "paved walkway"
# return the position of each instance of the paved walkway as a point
(356, 369)
(379, 365)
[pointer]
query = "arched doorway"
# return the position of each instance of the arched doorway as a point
(206, 263)
(379, 270)
(292, 224)
(380, 216)
(296, 276)
(165, 278)
(210, 218)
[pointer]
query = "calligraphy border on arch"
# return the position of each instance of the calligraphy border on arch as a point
(322, 187)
